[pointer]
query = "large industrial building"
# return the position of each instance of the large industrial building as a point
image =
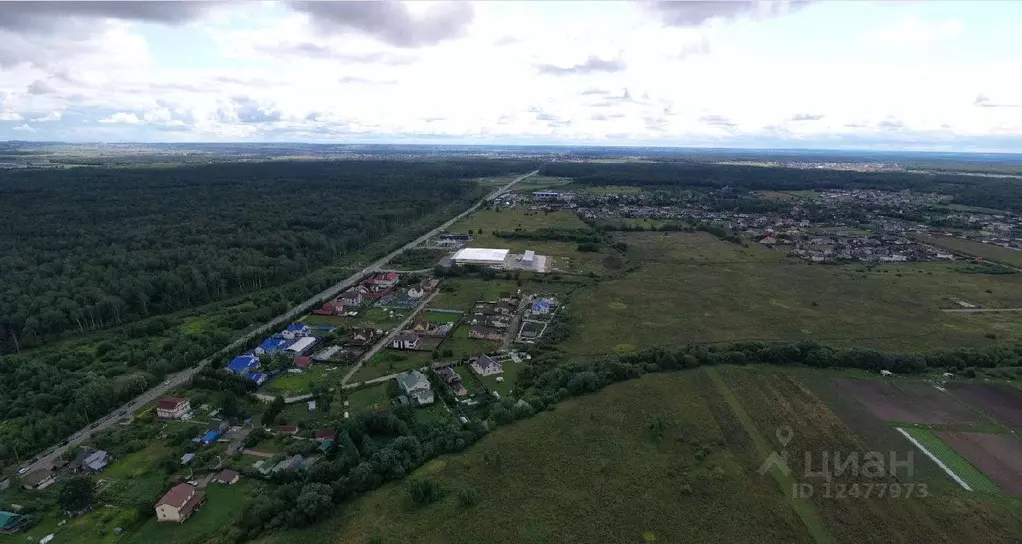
(481, 256)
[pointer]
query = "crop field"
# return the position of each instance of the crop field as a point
(977, 249)
(998, 456)
(909, 401)
(588, 471)
(962, 468)
(1002, 402)
(693, 288)
(775, 398)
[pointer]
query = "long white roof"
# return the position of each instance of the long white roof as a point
(481, 254)
(301, 344)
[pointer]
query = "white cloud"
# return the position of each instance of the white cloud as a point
(916, 32)
(23, 128)
(122, 118)
(10, 116)
(52, 116)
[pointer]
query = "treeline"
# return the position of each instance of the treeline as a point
(581, 236)
(969, 190)
(88, 248)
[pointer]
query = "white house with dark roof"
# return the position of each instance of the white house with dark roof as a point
(416, 386)
(486, 366)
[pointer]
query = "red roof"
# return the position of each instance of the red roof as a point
(169, 403)
(179, 496)
(288, 429)
(326, 434)
(303, 361)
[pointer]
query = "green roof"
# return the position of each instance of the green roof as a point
(8, 519)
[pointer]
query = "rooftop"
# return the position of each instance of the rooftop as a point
(481, 254)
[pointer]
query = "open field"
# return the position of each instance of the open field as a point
(603, 477)
(462, 346)
(774, 398)
(462, 293)
(693, 288)
(977, 249)
(999, 456)
(369, 399)
(390, 361)
(539, 183)
(289, 385)
(222, 507)
(908, 401)
(976, 480)
(1002, 402)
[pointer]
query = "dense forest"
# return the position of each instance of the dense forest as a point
(88, 248)
(1000, 193)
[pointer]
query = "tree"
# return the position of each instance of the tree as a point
(77, 494)
(314, 502)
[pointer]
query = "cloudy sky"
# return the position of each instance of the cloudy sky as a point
(842, 74)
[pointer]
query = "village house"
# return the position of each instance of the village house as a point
(286, 429)
(416, 387)
(179, 503)
(38, 479)
(173, 408)
(485, 333)
(325, 435)
(384, 280)
(333, 307)
(352, 297)
(406, 340)
(90, 461)
(296, 462)
(11, 523)
(303, 362)
(452, 379)
(227, 477)
(296, 330)
(486, 366)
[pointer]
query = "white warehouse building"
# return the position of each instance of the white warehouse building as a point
(482, 256)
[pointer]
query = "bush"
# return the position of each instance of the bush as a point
(467, 497)
(425, 491)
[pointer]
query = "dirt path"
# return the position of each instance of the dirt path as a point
(803, 508)
(257, 453)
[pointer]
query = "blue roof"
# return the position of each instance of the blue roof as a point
(541, 304)
(258, 377)
(274, 344)
(210, 436)
(243, 363)
(297, 327)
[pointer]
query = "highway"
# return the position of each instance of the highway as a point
(180, 378)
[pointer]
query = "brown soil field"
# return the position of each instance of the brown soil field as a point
(1003, 402)
(999, 456)
(908, 401)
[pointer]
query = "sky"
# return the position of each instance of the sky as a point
(852, 74)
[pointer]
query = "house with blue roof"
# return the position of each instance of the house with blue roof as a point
(298, 329)
(541, 307)
(243, 364)
(209, 437)
(258, 377)
(272, 344)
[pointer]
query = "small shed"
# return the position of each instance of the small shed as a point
(227, 477)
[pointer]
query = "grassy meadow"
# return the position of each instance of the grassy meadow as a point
(693, 288)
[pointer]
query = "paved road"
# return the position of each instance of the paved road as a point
(387, 339)
(176, 380)
(979, 310)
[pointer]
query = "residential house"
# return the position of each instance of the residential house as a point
(419, 326)
(541, 307)
(406, 340)
(361, 338)
(505, 308)
(172, 408)
(485, 333)
(486, 366)
(416, 292)
(297, 330)
(272, 345)
(286, 429)
(96, 461)
(243, 364)
(334, 307)
(11, 523)
(179, 503)
(38, 479)
(227, 477)
(496, 321)
(416, 386)
(352, 297)
(187, 458)
(429, 284)
(326, 435)
(210, 437)
(292, 463)
(384, 280)
(303, 362)
(452, 379)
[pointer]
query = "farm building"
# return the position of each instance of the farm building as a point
(481, 256)
(326, 354)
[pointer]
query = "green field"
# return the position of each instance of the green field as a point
(138, 463)
(510, 375)
(441, 317)
(222, 507)
(976, 249)
(463, 293)
(691, 288)
(390, 361)
(958, 464)
(462, 346)
(368, 399)
(595, 470)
